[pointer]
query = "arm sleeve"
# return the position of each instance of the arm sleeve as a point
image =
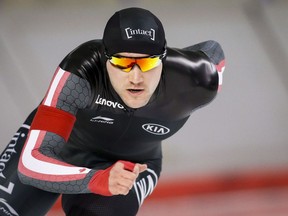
(40, 165)
(214, 52)
(211, 48)
(195, 72)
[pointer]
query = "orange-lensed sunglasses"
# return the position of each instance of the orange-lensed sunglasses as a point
(127, 63)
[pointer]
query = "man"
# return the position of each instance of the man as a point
(96, 136)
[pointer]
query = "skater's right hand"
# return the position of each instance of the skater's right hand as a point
(117, 179)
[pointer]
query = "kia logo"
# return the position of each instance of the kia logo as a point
(155, 129)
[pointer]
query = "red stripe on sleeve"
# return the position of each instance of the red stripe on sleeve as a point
(53, 120)
(59, 89)
(220, 66)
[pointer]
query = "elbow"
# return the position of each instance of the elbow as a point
(22, 177)
(214, 51)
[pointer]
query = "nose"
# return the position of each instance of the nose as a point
(136, 75)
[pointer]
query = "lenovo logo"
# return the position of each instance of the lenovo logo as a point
(108, 103)
(155, 129)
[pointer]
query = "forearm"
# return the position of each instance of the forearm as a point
(41, 167)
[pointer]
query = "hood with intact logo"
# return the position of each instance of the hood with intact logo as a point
(134, 30)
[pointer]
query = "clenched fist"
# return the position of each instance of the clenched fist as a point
(117, 179)
(123, 175)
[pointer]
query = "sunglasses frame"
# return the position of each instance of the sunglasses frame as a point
(109, 57)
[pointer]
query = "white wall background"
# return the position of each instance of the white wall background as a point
(246, 127)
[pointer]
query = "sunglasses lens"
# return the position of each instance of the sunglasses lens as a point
(122, 63)
(126, 64)
(127, 69)
(147, 64)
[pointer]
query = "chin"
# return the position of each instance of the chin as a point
(136, 104)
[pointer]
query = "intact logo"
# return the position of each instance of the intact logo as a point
(130, 33)
(6, 208)
(155, 129)
(103, 120)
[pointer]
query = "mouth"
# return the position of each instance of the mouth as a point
(135, 91)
